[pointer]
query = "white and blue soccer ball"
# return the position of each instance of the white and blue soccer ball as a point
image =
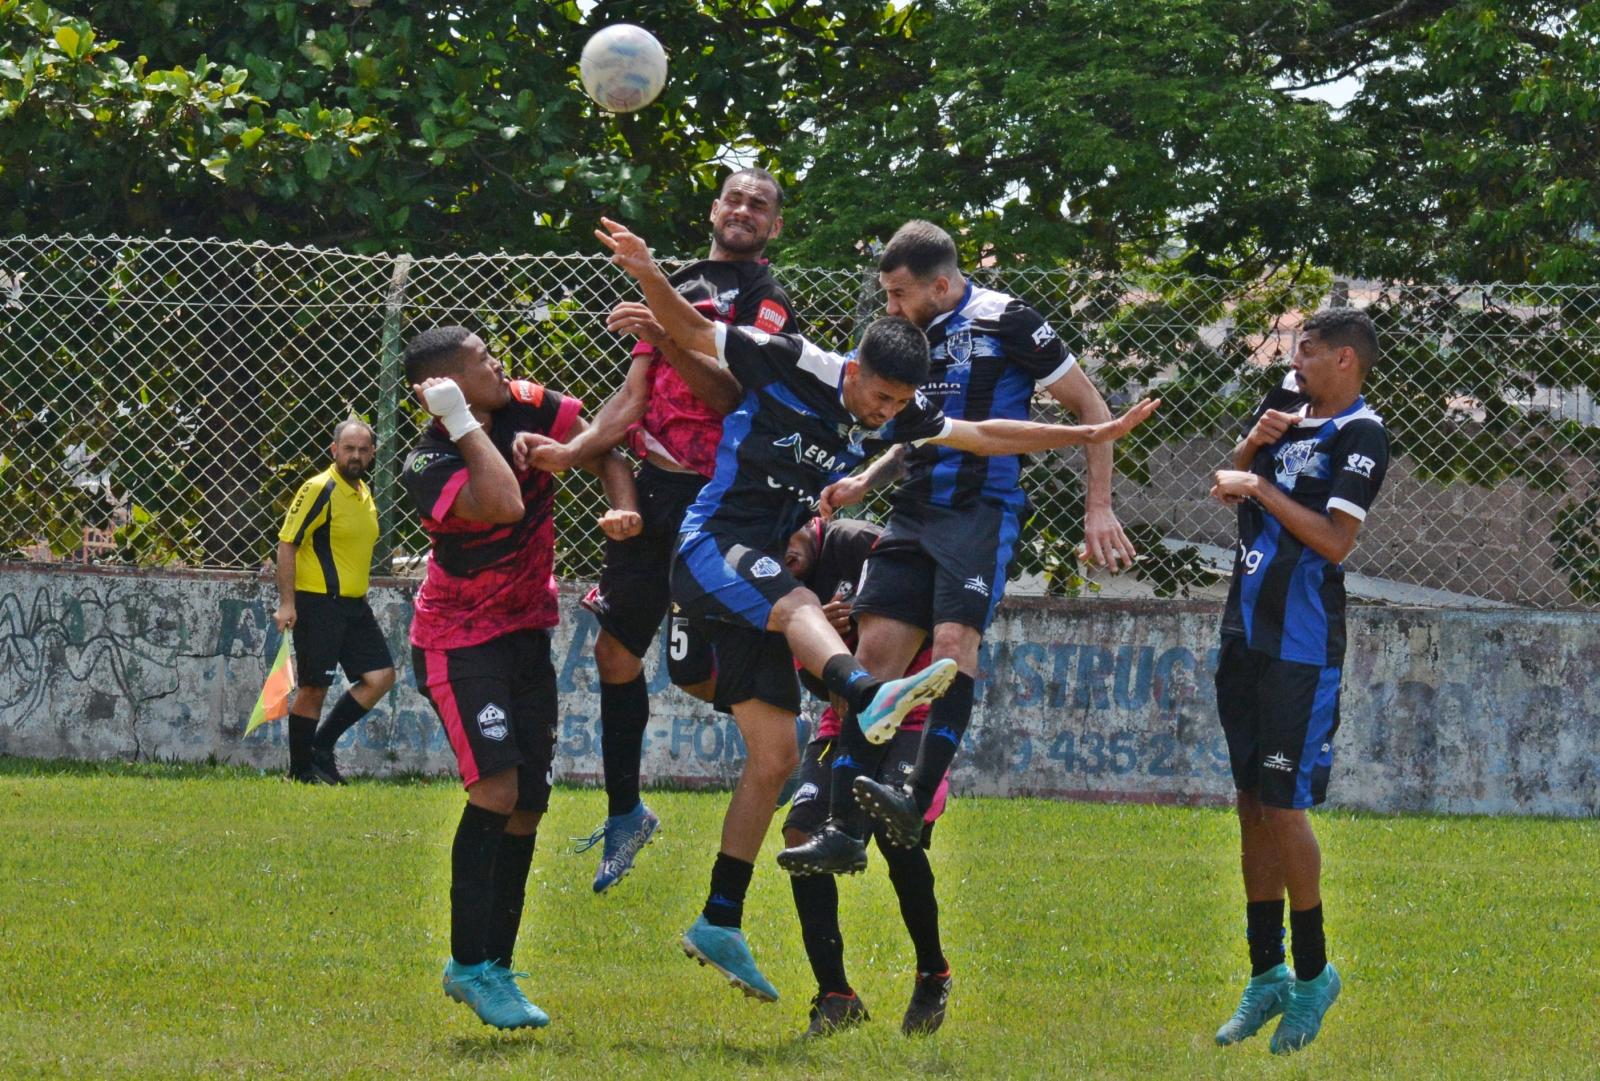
(623, 68)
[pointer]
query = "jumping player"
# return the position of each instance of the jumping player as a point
(481, 636)
(807, 417)
(1304, 478)
(940, 570)
(674, 424)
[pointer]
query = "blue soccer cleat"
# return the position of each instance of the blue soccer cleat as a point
(495, 999)
(724, 949)
(1302, 1014)
(624, 836)
(1264, 998)
(536, 1018)
(898, 697)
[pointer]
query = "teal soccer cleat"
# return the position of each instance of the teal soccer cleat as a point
(887, 710)
(724, 949)
(624, 836)
(1264, 998)
(535, 1017)
(1302, 1015)
(495, 999)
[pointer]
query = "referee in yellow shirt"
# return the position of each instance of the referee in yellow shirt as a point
(324, 550)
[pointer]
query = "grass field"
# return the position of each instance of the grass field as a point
(172, 922)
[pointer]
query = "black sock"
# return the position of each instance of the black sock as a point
(624, 715)
(472, 900)
(1263, 922)
(947, 722)
(730, 878)
(852, 757)
(340, 719)
(301, 732)
(1310, 948)
(510, 888)
(816, 899)
(847, 679)
(912, 877)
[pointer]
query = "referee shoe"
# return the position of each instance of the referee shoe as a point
(898, 697)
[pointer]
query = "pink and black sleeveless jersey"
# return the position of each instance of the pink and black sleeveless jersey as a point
(676, 423)
(486, 580)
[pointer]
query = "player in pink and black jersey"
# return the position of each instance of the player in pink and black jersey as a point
(481, 634)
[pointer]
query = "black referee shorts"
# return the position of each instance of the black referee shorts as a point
(331, 633)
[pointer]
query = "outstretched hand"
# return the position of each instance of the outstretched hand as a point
(1115, 429)
(628, 249)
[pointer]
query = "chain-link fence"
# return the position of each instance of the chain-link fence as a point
(163, 398)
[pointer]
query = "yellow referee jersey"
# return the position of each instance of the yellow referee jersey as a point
(335, 523)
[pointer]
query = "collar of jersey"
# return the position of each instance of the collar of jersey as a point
(1317, 422)
(966, 298)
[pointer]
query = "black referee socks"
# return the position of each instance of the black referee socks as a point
(624, 715)
(343, 717)
(847, 679)
(301, 732)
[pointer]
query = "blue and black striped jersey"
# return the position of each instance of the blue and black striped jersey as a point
(790, 437)
(1285, 599)
(987, 356)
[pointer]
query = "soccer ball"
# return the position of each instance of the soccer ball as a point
(623, 68)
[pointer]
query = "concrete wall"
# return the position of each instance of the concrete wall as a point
(1481, 712)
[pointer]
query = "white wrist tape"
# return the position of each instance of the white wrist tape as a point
(445, 401)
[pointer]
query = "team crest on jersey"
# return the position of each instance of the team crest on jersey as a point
(492, 722)
(765, 567)
(958, 348)
(1292, 460)
(419, 462)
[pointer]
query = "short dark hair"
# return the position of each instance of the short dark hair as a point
(433, 352)
(760, 174)
(1340, 327)
(352, 422)
(896, 349)
(922, 248)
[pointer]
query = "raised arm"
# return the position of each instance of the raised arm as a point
(491, 493)
(622, 520)
(677, 316)
(609, 428)
(990, 437)
(1266, 431)
(881, 472)
(707, 379)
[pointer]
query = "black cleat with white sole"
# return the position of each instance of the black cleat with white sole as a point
(829, 851)
(893, 807)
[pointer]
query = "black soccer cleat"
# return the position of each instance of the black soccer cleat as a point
(829, 851)
(832, 1012)
(893, 807)
(926, 1012)
(325, 768)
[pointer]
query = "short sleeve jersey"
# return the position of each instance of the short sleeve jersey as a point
(486, 580)
(1285, 600)
(335, 524)
(676, 423)
(986, 358)
(790, 436)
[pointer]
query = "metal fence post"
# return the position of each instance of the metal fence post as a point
(866, 300)
(391, 385)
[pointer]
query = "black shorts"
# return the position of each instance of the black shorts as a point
(936, 565)
(1280, 718)
(634, 591)
(714, 579)
(336, 632)
(497, 702)
(752, 664)
(809, 808)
